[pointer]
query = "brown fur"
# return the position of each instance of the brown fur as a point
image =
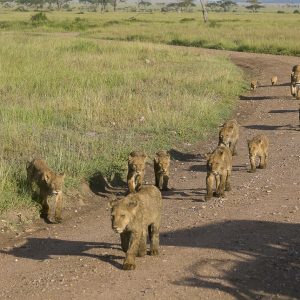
(132, 217)
(219, 165)
(254, 84)
(48, 183)
(161, 169)
(258, 146)
(136, 170)
(229, 135)
(274, 80)
(295, 80)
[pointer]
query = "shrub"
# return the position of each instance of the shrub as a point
(39, 18)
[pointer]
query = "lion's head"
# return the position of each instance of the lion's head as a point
(162, 159)
(136, 161)
(215, 160)
(54, 182)
(122, 212)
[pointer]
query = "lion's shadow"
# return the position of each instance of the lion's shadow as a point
(45, 248)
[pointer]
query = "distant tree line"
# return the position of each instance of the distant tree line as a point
(142, 5)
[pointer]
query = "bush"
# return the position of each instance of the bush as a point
(21, 8)
(187, 20)
(280, 12)
(296, 11)
(39, 18)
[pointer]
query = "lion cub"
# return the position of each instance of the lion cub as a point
(49, 184)
(254, 84)
(161, 170)
(274, 80)
(295, 80)
(258, 146)
(229, 135)
(136, 170)
(219, 165)
(133, 217)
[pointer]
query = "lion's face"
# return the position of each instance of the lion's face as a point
(226, 135)
(252, 147)
(215, 162)
(137, 164)
(163, 163)
(122, 212)
(54, 182)
(296, 78)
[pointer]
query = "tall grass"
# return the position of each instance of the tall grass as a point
(84, 104)
(255, 32)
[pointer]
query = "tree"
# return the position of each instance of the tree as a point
(35, 3)
(143, 4)
(224, 5)
(254, 5)
(59, 3)
(204, 11)
(185, 4)
(227, 4)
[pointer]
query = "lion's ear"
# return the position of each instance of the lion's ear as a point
(47, 177)
(132, 203)
(112, 203)
(207, 155)
(63, 175)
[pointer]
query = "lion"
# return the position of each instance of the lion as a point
(254, 84)
(161, 170)
(132, 217)
(258, 146)
(136, 170)
(274, 80)
(49, 183)
(229, 135)
(295, 81)
(219, 166)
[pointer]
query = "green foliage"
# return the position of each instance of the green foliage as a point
(39, 18)
(224, 5)
(187, 20)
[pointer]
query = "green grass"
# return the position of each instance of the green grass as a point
(84, 104)
(264, 32)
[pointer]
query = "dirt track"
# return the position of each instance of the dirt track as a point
(246, 246)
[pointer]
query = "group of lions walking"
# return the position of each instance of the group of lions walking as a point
(139, 213)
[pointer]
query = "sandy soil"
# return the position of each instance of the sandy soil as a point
(245, 246)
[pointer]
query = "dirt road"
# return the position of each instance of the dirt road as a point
(246, 246)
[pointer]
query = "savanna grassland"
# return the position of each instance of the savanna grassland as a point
(264, 32)
(83, 90)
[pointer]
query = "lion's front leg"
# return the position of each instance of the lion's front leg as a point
(221, 187)
(143, 244)
(165, 182)
(58, 207)
(139, 181)
(129, 262)
(125, 239)
(131, 183)
(252, 163)
(154, 240)
(209, 186)
(45, 205)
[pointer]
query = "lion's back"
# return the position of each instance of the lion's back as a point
(151, 200)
